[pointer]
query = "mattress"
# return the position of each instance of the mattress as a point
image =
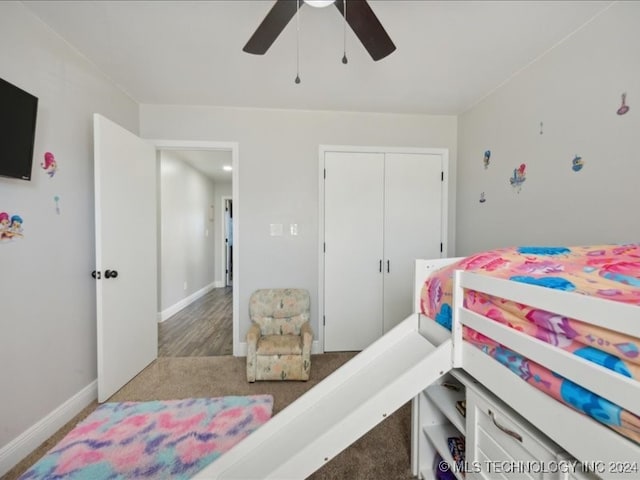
(604, 271)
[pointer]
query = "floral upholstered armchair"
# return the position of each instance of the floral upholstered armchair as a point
(279, 339)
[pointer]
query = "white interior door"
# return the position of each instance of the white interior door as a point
(125, 203)
(412, 228)
(353, 250)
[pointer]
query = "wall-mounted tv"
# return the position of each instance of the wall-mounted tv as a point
(18, 112)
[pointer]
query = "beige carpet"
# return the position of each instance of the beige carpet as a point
(382, 454)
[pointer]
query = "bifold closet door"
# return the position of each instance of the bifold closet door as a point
(353, 277)
(412, 226)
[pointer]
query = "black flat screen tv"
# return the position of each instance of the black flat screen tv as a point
(18, 112)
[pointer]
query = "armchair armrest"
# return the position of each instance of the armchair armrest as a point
(307, 338)
(252, 344)
(253, 335)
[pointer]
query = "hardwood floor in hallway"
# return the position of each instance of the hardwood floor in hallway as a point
(202, 329)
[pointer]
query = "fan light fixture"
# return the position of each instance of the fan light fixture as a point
(319, 3)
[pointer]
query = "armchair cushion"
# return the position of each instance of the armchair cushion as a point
(279, 311)
(280, 345)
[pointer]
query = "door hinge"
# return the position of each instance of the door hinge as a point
(324, 320)
(324, 247)
(442, 176)
(440, 247)
(325, 173)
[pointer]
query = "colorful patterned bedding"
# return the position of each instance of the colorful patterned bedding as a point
(605, 271)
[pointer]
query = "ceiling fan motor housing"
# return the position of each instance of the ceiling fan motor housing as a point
(319, 3)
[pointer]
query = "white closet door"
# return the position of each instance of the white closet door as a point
(412, 229)
(354, 206)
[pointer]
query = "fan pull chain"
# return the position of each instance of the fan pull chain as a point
(344, 31)
(297, 80)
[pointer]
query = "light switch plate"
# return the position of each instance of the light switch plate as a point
(275, 229)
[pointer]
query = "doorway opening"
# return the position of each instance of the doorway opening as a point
(197, 285)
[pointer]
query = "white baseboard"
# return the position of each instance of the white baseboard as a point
(242, 349)
(185, 302)
(21, 446)
(219, 284)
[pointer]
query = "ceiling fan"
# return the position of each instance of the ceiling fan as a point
(359, 16)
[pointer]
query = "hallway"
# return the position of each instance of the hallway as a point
(202, 329)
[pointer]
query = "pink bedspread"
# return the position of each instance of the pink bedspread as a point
(605, 271)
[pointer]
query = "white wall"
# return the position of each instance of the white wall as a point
(278, 177)
(575, 91)
(47, 295)
(187, 236)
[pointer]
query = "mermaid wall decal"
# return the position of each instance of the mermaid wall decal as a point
(624, 108)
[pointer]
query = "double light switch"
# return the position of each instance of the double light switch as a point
(277, 230)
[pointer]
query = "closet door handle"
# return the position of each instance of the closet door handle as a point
(388, 266)
(511, 433)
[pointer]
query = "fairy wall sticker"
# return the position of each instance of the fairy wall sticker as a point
(518, 177)
(624, 108)
(487, 158)
(482, 199)
(10, 227)
(577, 163)
(4, 224)
(49, 164)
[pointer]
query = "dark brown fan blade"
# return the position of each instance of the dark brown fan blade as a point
(367, 27)
(275, 21)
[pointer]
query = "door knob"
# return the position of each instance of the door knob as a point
(111, 274)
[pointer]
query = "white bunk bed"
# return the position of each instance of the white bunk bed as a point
(418, 352)
(606, 452)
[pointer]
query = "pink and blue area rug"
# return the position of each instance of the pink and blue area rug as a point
(152, 440)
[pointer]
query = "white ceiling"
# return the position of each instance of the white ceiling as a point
(208, 162)
(449, 54)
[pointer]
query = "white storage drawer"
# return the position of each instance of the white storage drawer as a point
(502, 444)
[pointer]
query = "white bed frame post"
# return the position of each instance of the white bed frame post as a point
(456, 325)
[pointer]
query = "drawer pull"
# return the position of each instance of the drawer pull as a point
(511, 433)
